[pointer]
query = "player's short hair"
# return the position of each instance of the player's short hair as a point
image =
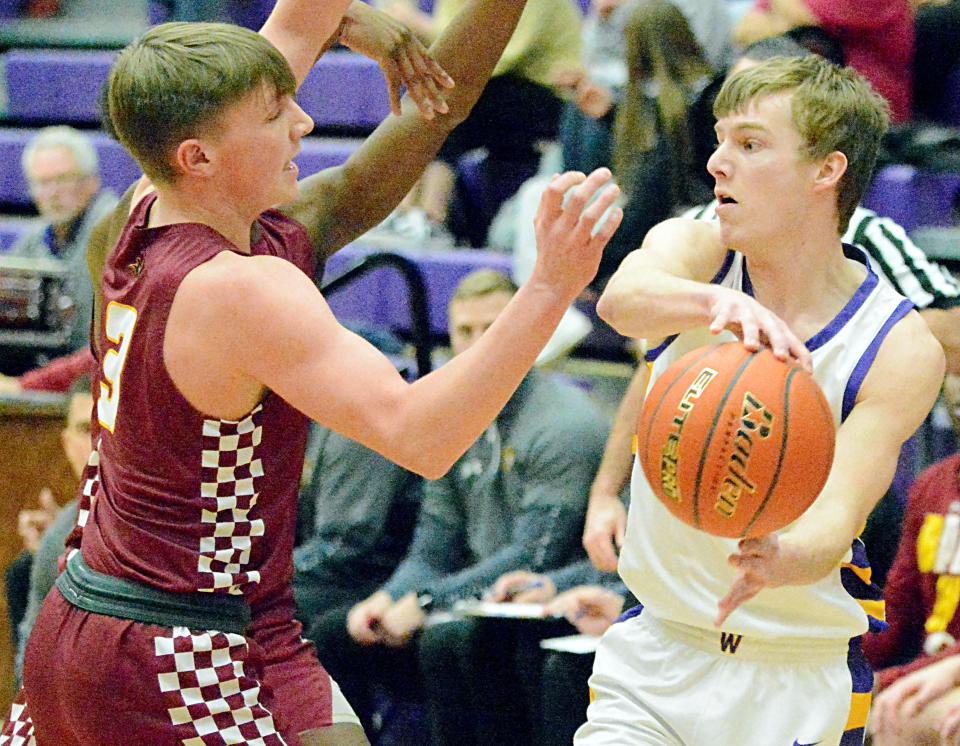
(176, 80)
(832, 108)
(62, 136)
(483, 282)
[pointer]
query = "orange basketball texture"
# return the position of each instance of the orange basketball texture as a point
(735, 443)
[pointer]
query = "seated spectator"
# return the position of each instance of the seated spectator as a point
(554, 684)
(514, 500)
(918, 655)
(360, 510)
(520, 105)
(877, 37)
(59, 522)
(61, 168)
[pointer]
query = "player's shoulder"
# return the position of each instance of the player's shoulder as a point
(689, 230)
(910, 357)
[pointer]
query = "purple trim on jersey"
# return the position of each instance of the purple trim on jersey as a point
(852, 306)
(861, 679)
(657, 351)
(724, 268)
(869, 355)
(629, 614)
(853, 737)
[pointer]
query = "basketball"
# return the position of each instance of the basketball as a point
(735, 443)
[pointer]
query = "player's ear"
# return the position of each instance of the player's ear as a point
(191, 158)
(832, 169)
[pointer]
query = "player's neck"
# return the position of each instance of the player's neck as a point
(807, 283)
(184, 205)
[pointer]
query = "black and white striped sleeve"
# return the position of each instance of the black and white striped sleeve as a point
(903, 263)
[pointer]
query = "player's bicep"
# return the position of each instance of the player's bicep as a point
(293, 345)
(683, 248)
(892, 403)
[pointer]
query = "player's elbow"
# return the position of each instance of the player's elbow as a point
(614, 308)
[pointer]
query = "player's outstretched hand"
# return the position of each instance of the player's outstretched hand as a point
(603, 531)
(757, 326)
(405, 62)
(569, 243)
(763, 562)
(907, 698)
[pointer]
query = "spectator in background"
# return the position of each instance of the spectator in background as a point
(514, 500)
(937, 54)
(58, 522)
(360, 510)
(61, 168)
(918, 655)
(520, 105)
(554, 684)
(653, 152)
(877, 37)
(586, 126)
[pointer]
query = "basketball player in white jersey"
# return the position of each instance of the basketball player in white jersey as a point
(758, 642)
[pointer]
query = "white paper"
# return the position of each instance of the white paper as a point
(580, 644)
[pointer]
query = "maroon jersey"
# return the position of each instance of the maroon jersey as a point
(187, 502)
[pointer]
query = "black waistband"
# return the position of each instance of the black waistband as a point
(126, 599)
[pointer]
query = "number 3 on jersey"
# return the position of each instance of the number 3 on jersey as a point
(120, 322)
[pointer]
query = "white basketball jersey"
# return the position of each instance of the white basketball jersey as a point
(679, 573)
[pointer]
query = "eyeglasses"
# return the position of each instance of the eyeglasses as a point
(53, 182)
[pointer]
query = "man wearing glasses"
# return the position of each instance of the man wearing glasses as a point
(61, 168)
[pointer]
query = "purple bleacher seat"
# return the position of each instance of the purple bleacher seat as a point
(10, 8)
(11, 230)
(249, 13)
(345, 90)
(914, 198)
(56, 85)
(380, 298)
(482, 187)
(118, 170)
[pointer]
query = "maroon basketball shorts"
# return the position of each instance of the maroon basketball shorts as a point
(97, 680)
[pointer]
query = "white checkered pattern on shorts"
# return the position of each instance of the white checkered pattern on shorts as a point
(18, 730)
(230, 473)
(211, 701)
(91, 480)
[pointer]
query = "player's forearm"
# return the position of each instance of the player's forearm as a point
(444, 413)
(301, 30)
(652, 304)
(617, 461)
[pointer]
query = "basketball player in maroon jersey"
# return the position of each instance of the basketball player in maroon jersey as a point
(175, 624)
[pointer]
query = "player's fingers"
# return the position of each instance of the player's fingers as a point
(601, 553)
(744, 588)
(47, 500)
(949, 727)
(551, 203)
(420, 60)
(581, 196)
(436, 70)
(415, 86)
(620, 531)
(750, 333)
(721, 317)
(394, 87)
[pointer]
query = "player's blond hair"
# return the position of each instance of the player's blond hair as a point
(175, 81)
(483, 282)
(832, 108)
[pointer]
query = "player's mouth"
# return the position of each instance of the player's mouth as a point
(724, 199)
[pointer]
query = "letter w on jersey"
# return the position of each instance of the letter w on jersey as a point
(729, 642)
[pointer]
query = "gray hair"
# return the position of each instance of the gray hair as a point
(62, 136)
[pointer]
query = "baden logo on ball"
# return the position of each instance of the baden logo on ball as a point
(735, 442)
